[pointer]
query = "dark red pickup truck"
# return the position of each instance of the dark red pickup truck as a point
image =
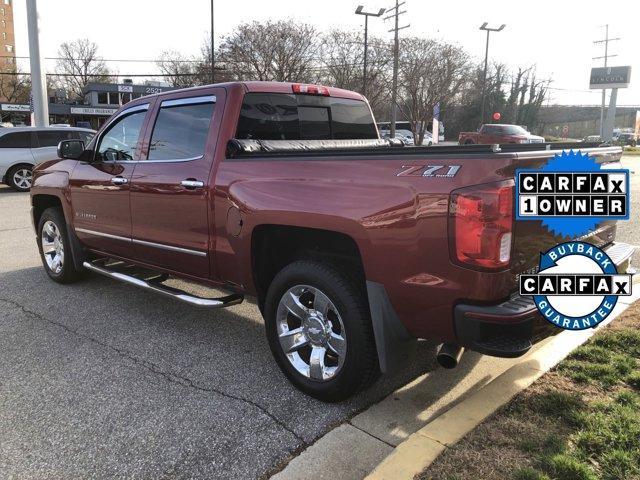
(498, 133)
(352, 245)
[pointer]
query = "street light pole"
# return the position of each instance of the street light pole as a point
(213, 48)
(486, 64)
(359, 11)
(38, 83)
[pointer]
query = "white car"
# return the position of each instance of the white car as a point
(23, 147)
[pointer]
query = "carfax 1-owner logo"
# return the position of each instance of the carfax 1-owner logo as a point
(577, 284)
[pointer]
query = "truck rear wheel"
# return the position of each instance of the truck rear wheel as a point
(55, 251)
(319, 330)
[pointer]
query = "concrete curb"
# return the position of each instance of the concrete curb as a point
(421, 448)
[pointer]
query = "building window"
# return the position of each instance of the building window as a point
(113, 98)
(103, 98)
(4, 24)
(9, 48)
(7, 2)
(4, 35)
(125, 98)
(2, 11)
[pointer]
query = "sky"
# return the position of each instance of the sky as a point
(554, 35)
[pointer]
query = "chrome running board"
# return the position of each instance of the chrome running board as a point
(157, 287)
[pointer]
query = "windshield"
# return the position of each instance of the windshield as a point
(505, 130)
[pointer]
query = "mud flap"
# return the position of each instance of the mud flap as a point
(77, 252)
(393, 342)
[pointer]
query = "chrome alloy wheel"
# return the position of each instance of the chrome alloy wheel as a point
(23, 178)
(52, 246)
(311, 332)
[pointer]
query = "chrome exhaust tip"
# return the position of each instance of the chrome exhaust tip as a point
(449, 355)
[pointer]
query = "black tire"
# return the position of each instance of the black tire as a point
(67, 272)
(360, 365)
(11, 181)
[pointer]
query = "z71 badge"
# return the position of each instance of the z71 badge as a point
(442, 171)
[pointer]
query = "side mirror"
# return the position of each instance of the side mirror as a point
(70, 149)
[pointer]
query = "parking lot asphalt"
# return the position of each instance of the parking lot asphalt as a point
(99, 379)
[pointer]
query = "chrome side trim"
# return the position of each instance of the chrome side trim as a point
(198, 253)
(188, 101)
(221, 302)
(101, 234)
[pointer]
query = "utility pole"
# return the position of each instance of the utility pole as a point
(38, 83)
(359, 11)
(213, 48)
(486, 64)
(396, 54)
(606, 56)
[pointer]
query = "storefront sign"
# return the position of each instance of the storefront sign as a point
(12, 107)
(125, 88)
(92, 111)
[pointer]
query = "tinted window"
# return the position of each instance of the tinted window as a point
(314, 123)
(16, 140)
(51, 138)
(120, 140)
(277, 116)
(180, 131)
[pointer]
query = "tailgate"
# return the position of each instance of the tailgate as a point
(531, 237)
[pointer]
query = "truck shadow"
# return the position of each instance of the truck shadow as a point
(221, 351)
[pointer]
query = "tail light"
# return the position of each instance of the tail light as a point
(481, 225)
(304, 89)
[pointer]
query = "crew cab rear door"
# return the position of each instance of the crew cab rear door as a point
(170, 184)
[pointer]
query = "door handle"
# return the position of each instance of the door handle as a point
(192, 183)
(119, 180)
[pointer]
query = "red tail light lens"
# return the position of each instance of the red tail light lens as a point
(481, 225)
(301, 88)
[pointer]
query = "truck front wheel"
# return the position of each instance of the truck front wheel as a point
(55, 251)
(319, 330)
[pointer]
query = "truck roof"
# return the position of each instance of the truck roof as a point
(265, 87)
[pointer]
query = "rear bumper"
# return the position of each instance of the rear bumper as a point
(510, 329)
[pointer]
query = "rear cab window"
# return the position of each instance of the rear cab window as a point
(281, 116)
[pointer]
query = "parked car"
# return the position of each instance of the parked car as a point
(592, 139)
(406, 137)
(353, 246)
(498, 133)
(626, 139)
(23, 147)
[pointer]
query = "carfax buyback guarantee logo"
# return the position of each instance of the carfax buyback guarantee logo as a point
(577, 284)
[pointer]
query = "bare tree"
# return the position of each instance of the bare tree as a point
(430, 72)
(14, 87)
(178, 70)
(342, 57)
(283, 51)
(79, 64)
